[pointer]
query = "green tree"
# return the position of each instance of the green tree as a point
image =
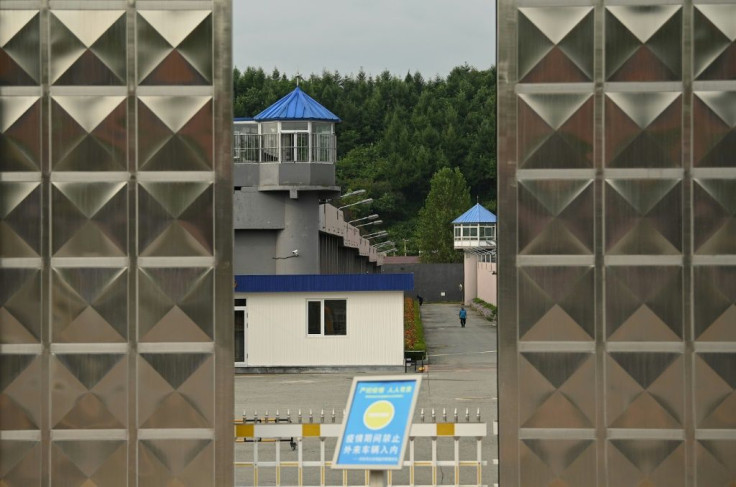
(448, 198)
(396, 132)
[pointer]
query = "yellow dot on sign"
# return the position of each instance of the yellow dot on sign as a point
(378, 415)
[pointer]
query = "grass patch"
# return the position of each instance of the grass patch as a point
(413, 328)
(492, 308)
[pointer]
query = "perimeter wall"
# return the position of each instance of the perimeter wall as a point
(617, 176)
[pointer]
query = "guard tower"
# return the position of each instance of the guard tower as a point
(475, 235)
(284, 163)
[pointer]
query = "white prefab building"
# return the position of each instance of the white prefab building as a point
(320, 320)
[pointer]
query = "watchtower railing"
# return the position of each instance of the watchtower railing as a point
(291, 147)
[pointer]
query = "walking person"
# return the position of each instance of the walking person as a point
(463, 315)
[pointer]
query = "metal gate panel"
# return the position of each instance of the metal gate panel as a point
(115, 243)
(617, 304)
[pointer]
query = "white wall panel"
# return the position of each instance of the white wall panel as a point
(277, 331)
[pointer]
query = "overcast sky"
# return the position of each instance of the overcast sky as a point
(429, 36)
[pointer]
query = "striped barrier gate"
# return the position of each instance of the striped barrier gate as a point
(261, 431)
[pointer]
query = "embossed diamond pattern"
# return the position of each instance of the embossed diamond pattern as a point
(184, 463)
(656, 123)
(643, 43)
(714, 136)
(89, 133)
(20, 463)
(20, 139)
(89, 391)
(19, 47)
(90, 463)
(175, 391)
(555, 131)
(650, 463)
(20, 315)
(555, 391)
(20, 213)
(643, 130)
(20, 392)
(175, 133)
(555, 44)
(176, 219)
(644, 303)
(715, 381)
(174, 47)
(89, 305)
(715, 465)
(558, 463)
(88, 47)
(714, 203)
(643, 216)
(648, 390)
(715, 303)
(176, 305)
(715, 42)
(94, 222)
(107, 192)
(556, 303)
(559, 217)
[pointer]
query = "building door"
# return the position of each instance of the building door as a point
(241, 333)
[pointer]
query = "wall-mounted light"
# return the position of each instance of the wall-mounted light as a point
(369, 217)
(346, 195)
(383, 244)
(361, 202)
(352, 193)
(376, 222)
(294, 253)
(382, 233)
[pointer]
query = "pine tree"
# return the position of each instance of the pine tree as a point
(448, 198)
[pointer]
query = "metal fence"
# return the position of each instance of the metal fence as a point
(296, 147)
(284, 451)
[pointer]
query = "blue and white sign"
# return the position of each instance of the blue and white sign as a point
(376, 429)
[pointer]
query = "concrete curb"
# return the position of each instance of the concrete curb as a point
(320, 370)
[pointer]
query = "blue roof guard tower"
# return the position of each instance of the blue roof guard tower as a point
(475, 235)
(284, 163)
(294, 129)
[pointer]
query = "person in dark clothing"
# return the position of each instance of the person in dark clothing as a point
(420, 299)
(463, 315)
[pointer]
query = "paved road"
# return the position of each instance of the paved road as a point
(461, 375)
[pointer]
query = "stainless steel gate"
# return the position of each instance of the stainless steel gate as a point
(617, 312)
(115, 243)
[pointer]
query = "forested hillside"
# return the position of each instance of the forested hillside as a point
(396, 133)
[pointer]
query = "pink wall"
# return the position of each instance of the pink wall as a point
(487, 282)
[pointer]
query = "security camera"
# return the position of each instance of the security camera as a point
(295, 252)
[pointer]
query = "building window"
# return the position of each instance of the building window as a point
(327, 317)
(323, 144)
(241, 317)
(488, 232)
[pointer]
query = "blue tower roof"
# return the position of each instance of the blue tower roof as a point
(297, 105)
(477, 214)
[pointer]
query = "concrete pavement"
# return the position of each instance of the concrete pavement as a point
(461, 375)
